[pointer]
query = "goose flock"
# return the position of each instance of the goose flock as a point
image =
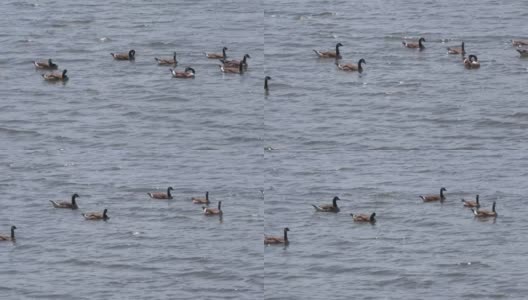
(239, 67)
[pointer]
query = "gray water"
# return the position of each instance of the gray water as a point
(410, 124)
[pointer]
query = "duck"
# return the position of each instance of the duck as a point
(351, 67)
(485, 213)
(66, 204)
(188, 73)
(329, 54)
(56, 76)
(94, 216)
(266, 79)
(9, 238)
(161, 195)
(430, 198)
(471, 62)
(523, 52)
(456, 50)
(234, 70)
(235, 63)
(517, 43)
(167, 61)
(472, 203)
(364, 217)
(414, 45)
(213, 211)
(328, 207)
(47, 65)
(131, 55)
(217, 55)
(274, 240)
(199, 200)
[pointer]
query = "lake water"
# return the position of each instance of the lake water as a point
(412, 122)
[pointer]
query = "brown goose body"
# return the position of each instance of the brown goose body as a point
(161, 195)
(274, 240)
(236, 63)
(167, 61)
(517, 43)
(457, 50)
(199, 200)
(66, 204)
(472, 203)
(233, 70)
(131, 55)
(45, 65)
(351, 67)
(329, 54)
(213, 211)
(485, 213)
(223, 55)
(95, 216)
(431, 198)
(414, 45)
(328, 207)
(188, 73)
(9, 237)
(363, 218)
(56, 76)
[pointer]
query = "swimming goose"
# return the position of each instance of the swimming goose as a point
(131, 55)
(199, 200)
(430, 198)
(351, 67)
(273, 240)
(188, 73)
(364, 217)
(328, 207)
(517, 43)
(329, 54)
(523, 52)
(213, 211)
(161, 195)
(456, 50)
(471, 203)
(55, 76)
(93, 216)
(234, 70)
(485, 213)
(47, 65)
(412, 45)
(235, 63)
(66, 204)
(266, 82)
(471, 62)
(9, 238)
(217, 55)
(167, 61)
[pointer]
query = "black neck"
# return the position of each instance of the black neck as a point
(420, 43)
(266, 84)
(168, 192)
(207, 196)
(219, 204)
(337, 50)
(223, 53)
(12, 233)
(285, 235)
(441, 193)
(244, 59)
(334, 202)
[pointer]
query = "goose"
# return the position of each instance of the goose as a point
(329, 54)
(199, 200)
(471, 203)
(167, 61)
(66, 204)
(351, 67)
(235, 63)
(131, 55)
(430, 198)
(273, 240)
(47, 65)
(161, 195)
(234, 70)
(56, 76)
(213, 211)
(217, 55)
(9, 238)
(188, 73)
(266, 82)
(517, 43)
(93, 216)
(471, 62)
(364, 217)
(456, 50)
(328, 207)
(523, 52)
(414, 45)
(485, 213)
